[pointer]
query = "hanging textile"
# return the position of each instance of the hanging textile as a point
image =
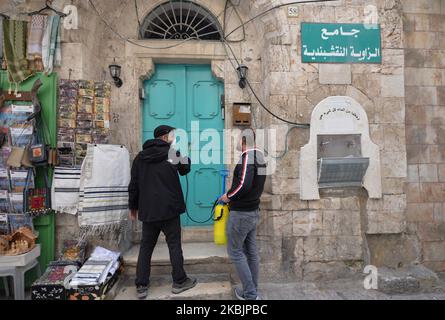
(65, 190)
(15, 38)
(105, 176)
(58, 47)
(1, 39)
(51, 54)
(36, 30)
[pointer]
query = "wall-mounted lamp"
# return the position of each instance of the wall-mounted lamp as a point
(242, 74)
(115, 72)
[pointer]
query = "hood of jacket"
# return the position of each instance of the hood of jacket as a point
(154, 151)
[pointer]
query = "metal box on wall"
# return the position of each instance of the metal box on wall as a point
(242, 114)
(339, 161)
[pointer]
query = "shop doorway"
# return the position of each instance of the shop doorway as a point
(189, 97)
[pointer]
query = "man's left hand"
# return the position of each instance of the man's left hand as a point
(133, 215)
(224, 199)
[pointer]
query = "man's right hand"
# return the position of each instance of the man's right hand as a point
(133, 215)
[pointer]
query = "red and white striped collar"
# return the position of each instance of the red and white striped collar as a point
(254, 149)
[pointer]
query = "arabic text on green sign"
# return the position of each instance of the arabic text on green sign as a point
(340, 43)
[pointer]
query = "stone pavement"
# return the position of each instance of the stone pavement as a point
(342, 289)
(211, 288)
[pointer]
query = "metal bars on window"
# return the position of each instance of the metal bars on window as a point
(180, 20)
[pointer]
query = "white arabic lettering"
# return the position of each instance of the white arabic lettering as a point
(340, 51)
(325, 34)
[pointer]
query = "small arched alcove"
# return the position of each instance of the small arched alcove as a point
(339, 124)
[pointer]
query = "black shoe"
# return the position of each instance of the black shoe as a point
(142, 292)
(186, 285)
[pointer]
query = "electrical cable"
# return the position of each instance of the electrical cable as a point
(273, 8)
(300, 125)
(225, 20)
(141, 35)
(131, 41)
(96, 11)
(225, 42)
(295, 125)
(186, 210)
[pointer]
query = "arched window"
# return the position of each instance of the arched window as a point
(180, 20)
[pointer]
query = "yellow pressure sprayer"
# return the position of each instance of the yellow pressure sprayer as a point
(221, 215)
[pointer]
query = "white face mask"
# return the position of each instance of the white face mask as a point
(172, 138)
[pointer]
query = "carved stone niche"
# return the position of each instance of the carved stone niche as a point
(337, 117)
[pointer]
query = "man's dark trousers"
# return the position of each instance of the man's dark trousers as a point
(150, 233)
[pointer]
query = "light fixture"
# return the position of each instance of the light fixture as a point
(115, 72)
(242, 74)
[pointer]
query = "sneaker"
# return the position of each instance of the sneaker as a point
(239, 295)
(142, 292)
(186, 285)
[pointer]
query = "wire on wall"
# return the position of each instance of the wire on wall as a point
(131, 41)
(272, 9)
(225, 41)
(226, 7)
(141, 35)
(300, 125)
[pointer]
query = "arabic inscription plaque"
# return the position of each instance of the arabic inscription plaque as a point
(340, 43)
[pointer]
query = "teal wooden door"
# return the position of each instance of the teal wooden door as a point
(188, 97)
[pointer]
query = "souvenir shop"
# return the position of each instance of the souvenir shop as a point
(55, 156)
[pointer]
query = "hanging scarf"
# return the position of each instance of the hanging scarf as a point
(51, 53)
(36, 30)
(15, 37)
(103, 204)
(58, 53)
(1, 39)
(65, 190)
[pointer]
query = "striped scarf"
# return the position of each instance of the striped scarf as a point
(65, 190)
(51, 51)
(105, 176)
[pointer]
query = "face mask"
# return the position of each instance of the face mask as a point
(172, 138)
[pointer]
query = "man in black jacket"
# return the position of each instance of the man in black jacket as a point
(243, 197)
(156, 198)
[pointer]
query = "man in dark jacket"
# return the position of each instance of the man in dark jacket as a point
(156, 198)
(243, 197)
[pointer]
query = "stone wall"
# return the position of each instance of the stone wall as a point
(330, 237)
(424, 30)
(344, 230)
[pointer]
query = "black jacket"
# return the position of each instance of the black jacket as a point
(249, 177)
(155, 190)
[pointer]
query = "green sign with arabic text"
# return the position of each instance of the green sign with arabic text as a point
(340, 43)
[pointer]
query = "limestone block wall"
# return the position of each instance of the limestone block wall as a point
(424, 30)
(343, 230)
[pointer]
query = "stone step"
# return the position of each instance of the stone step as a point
(410, 279)
(189, 234)
(199, 257)
(209, 287)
